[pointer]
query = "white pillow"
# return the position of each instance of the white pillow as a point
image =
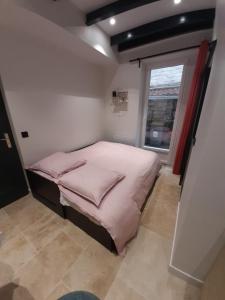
(91, 182)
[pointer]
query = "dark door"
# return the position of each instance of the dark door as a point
(12, 180)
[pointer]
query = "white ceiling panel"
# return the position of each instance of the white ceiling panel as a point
(144, 14)
(90, 5)
(170, 44)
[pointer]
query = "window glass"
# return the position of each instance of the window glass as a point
(164, 89)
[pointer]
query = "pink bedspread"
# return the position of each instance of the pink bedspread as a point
(119, 212)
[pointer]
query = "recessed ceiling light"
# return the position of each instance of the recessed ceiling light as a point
(129, 35)
(182, 19)
(177, 1)
(112, 21)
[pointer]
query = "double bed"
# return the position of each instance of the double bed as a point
(115, 221)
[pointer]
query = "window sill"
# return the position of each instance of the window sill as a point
(159, 150)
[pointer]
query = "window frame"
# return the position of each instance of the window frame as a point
(163, 63)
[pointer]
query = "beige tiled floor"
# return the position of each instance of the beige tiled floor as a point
(43, 256)
(214, 285)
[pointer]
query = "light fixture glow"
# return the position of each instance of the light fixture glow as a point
(112, 21)
(100, 49)
(129, 35)
(177, 1)
(182, 20)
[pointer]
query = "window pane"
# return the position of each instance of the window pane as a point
(164, 91)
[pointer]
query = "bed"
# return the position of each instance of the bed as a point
(115, 222)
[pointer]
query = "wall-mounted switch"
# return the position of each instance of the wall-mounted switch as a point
(114, 94)
(24, 134)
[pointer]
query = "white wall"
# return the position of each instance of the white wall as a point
(96, 38)
(201, 221)
(126, 127)
(123, 127)
(51, 93)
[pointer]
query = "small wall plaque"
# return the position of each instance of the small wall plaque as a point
(120, 101)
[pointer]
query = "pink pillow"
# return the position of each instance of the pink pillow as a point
(91, 182)
(57, 164)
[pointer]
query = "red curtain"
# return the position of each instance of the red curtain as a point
(190, 110)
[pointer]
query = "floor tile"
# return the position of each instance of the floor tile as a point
(214, 287)
(6, 273)
(145, 266)
(58, 292)
(7, 227)
(12, 291)
(160, 214)
(36, 278)
(18, 205)
(178, 289)
(168, 175)
(145, 269)
(43, 231)
(76, 234)
(121, 291)
(148, 245)
(16, 252)
(59, 255)
(41, 275)
(26, 213)
(94, 271)
(21, 293)
(44, 256)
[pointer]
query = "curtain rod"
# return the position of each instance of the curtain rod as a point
(139, 59)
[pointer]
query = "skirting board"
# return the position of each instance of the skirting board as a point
(185, 276)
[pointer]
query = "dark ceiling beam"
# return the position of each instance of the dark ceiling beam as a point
(114, 9)
(164, 28)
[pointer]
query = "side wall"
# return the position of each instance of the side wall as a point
(201, 220)
(122, 127)
(50, 93)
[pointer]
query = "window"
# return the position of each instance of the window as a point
(162, 97)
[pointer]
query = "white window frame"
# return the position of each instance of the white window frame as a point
(163, 63)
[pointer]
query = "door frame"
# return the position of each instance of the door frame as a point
(2, 90)
(14, 141)
(161, 62)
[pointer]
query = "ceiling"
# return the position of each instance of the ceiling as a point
(143, 14)
(126, 22)
(88, 5)
(13, 26)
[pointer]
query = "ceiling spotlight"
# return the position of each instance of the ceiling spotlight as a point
(112, 21)
(182, 19)
(129, 35)
(177, 1)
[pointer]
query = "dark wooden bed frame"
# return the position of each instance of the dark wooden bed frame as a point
(48, 193)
